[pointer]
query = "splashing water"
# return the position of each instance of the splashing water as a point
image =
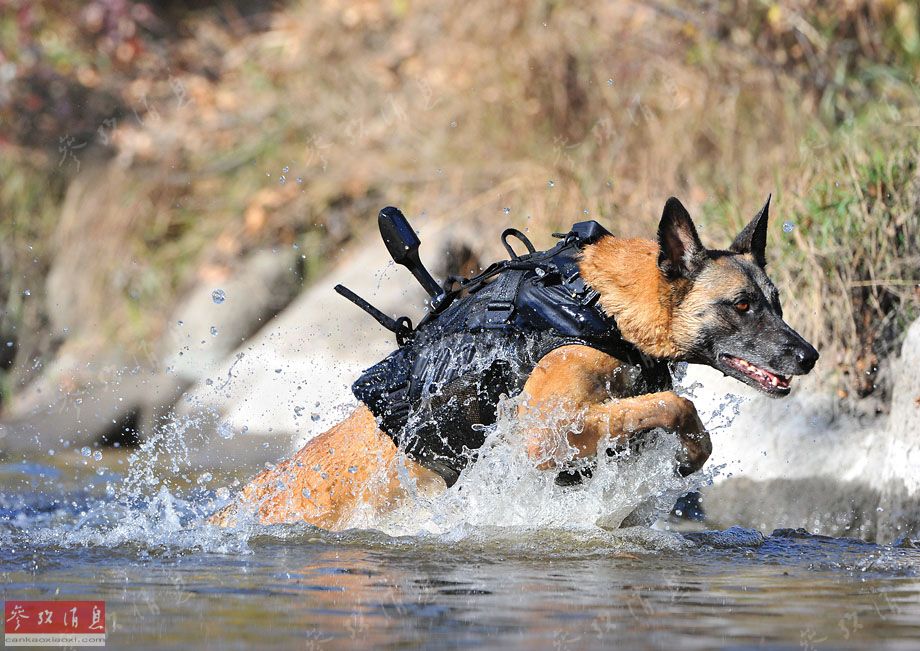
(504, 489)
(147, 508)
(159, 507)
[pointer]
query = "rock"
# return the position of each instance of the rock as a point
(126, 406)
(899, 475)
(111, 410)
(903, 459)
(202, 332)
(824, 504)
(731, 538)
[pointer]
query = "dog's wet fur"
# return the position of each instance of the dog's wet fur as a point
(672, 298)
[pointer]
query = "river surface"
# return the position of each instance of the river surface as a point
(74, 526)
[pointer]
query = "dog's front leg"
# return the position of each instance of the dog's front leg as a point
(576, 382)
(624, 419)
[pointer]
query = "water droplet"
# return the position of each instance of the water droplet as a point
(788, 226)
(352, 469)
(282, 180)
(223, 493)
(9, 344)
(306, 493)
(225, 431)
(85, 451)
(551, 184)
(26, 292)
(314, 417)
(299, 180)
(285, 169)
(97, 455)
(507, 211)
(204, 477)
(213, 331)
(453, 124)
(585, 211)
(610, 82)
(180, 323)
(218, 296)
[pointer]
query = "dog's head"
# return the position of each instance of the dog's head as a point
(727, 312)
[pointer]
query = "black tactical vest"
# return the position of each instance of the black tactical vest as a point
(438, 392)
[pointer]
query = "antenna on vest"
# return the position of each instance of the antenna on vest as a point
(401, 327)
(403, 245)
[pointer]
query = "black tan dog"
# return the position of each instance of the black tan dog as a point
(670, 300)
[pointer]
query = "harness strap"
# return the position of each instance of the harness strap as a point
(500, 307)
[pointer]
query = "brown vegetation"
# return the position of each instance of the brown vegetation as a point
(233, 130)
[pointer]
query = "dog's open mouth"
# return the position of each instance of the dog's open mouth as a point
(761, 378)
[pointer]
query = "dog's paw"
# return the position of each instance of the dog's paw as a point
(694, 452)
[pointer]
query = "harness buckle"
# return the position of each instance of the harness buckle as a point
(499, 312)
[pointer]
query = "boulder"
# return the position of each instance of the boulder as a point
(898, 477)
(124, 405)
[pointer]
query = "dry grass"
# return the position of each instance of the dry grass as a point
(856, 255)
(458, 110)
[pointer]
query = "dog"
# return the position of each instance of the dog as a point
(673, 299)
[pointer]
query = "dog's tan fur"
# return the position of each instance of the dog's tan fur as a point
(354, 463)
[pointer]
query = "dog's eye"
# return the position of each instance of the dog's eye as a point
(742, 306)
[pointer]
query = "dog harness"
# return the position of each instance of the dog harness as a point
(437, 394)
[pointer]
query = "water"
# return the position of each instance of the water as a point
(508, 560)
(293, 586)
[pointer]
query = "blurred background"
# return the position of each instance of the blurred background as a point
(175, 176)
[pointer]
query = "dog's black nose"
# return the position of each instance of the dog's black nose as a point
(806, 356)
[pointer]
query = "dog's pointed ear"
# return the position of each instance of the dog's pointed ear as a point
(753, 239)
(680, 252)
